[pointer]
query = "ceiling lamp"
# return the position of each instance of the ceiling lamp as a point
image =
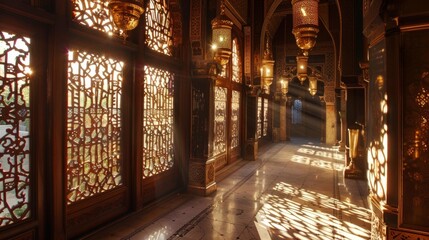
(301, 67)
(313, 85)
(267, 69)
(126, 14)
(305, 23)
(221, 36)
(284, 84)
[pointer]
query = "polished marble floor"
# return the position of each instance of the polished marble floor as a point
(295, 190)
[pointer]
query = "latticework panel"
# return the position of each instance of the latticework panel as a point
(158, 120)
(94, 161)
(416, 131)
(265, 112)
(259, 120)
(235, 119)
(94, 14)
(159, 29)
(14, 128)
(236, 62)
(219, 145)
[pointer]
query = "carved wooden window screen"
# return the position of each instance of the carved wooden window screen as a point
(265, 125)
(158, 120)
(235, 119)
(236, 62)
(159, 28)
(15, 181)
(259, 120)
(220, 120)
(94, 124)
(94, 14)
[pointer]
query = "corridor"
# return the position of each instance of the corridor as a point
(294, 191)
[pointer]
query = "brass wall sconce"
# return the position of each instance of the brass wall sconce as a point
(126, 14)
(305, 23)
(221, 37)
(301, 67)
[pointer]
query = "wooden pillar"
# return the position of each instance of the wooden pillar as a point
(202, 163)
(251, 151)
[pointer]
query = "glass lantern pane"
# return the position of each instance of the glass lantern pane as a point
(222, 37)
(305, 13)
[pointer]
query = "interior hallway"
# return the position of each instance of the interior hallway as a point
(294, 190)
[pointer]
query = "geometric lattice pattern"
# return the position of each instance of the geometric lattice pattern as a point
(265, 112)
(94, 161)
(14, 128)
(158, 120)
(159, 28)
(259, 118)
(236, 62)
(235, 119)
(94, 14)
(305, 12)
(220, 120)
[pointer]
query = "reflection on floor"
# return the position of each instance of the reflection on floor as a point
(294, 191)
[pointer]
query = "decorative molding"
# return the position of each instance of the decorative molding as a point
(202, 176)
(247, 53)
(399, 234)
(195, 29)
(196, 173)
(176, 15)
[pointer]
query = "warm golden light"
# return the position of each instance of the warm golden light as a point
(304, 13)
(267, 73)
(290, 212)
(126, 14)
(313, 85)
(302, 61)
(221, 36)
(305, 23)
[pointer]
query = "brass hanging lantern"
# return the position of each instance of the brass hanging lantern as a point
(267, 68)
(312, 85)
(221, 37)
(305, 23)
(284, 84)
(301, 67)
(126, 14)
